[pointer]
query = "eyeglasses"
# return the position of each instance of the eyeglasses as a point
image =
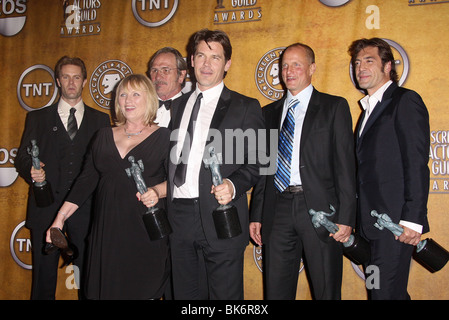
(164, 70)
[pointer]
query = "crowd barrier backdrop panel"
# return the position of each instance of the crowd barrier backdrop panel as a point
(116, 38)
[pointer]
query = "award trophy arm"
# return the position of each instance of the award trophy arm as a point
(151, 197)
(41, 188)
(38, 175)
(154, 219)
(428, 252)
(226, 219)
(356, 248)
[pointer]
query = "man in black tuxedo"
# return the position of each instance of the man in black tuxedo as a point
(61, 159)
(191, 203)
(168, 70)
(392, 149)
(319, 172)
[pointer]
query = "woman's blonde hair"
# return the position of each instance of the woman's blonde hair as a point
(138, 82)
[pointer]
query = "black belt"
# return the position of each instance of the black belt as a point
(185, 201)
(293, 189)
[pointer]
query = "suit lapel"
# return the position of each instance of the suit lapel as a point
(176, 121)
(312, 111)
(278, 110)
(378, 110)
(221, 109)
(174, 106)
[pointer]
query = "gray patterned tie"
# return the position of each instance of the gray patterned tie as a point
(72, 126)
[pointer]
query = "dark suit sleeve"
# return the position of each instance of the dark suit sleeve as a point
(413, 131)
(22, 162)
(86, 182)
(247, 175)
(344, 163)
(257, 200)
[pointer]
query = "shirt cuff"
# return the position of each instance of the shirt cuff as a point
(411, 225)
(233, 188)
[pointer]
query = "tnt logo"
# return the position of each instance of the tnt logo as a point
(36, 88)
(20, 246)
(154, 13)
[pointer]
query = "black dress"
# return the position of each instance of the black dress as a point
(122, 261)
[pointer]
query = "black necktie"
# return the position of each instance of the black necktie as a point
(72, 126)
(181, 169)
(166, 104)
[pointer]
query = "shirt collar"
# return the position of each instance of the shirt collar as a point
(303, 96)
(371, 101)
(211, 93)
(172, 98)
(64, 107)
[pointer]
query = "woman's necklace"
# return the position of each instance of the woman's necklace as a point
(129, 134)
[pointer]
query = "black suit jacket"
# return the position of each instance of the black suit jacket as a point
(45, 126)
(392, 156)
(233, 112)
(327, 165)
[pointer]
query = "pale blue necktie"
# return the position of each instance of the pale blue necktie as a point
(285, 148)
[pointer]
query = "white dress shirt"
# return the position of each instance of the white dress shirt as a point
(190, 188)
(300, 112)
(369, 102)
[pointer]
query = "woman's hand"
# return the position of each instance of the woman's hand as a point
(149, 198)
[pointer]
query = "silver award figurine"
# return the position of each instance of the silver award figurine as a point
(428, 252)
(226, 218)
(154, 219)
(356, 248)
(41, 190)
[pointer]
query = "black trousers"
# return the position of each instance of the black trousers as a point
(391, 258)
(292, 238)
(45, 267)
(199, 270)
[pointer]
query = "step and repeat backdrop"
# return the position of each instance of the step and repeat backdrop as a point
(117, 38)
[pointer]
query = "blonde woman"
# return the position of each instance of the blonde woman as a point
(122, 261)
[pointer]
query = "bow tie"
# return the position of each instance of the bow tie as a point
(166, 104)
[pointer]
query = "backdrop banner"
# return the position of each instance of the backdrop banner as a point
(117, 38)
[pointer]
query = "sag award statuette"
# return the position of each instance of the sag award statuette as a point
(42, 190)
(428, 253)
(226, 218)
(154, 219)
(356, 248)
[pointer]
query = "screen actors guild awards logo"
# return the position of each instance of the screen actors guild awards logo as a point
(80, 18)
(267, 75)
(238, 11)
(103, 81)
